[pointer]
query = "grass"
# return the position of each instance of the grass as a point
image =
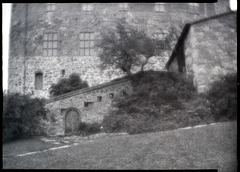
(212, 146)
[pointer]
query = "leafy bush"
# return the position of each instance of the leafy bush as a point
(22, 116)
(89, 128)
(66, 85)
(155, 94)
(223, 98)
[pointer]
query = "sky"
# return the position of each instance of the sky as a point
(6, 15)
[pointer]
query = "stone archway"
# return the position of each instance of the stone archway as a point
(72, 119)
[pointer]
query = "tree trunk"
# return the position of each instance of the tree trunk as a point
(142, 67)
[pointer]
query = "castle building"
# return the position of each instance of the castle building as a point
(50, 41)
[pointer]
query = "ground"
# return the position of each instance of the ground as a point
(212, 146)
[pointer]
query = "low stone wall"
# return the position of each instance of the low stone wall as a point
(92, 104)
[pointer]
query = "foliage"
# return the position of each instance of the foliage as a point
(155, 96)
(222, 97)
(22, 116)
(125, 47)
(66, 85)
(89, 128)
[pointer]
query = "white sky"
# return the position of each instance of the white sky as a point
(6, 15)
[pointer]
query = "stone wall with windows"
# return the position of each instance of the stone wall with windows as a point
(50, 38)
(91, 104)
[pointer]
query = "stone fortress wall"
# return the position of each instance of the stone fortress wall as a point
(31, 21)
(215, 51)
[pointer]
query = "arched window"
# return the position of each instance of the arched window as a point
(38, 81)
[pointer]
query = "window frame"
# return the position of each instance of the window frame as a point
(36, 86)
(160, 7)
(193, 8)
(123, 6)
(83, 41)
(51, 7)
(87, 7)
(53, 42)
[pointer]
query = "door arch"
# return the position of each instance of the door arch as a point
(72, 119)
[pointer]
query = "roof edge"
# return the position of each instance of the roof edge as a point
(185, 31)
(85, 90)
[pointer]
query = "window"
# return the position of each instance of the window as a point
(193, 7)
(111, 95)
(159, 7)
(99, 98)
(62, 73)
(123, 6)
(87, 7)
(50, 44)
(210, 9)
(88, 104)
(51, 7)
(159, 35)
(124, 92)
(38, 81)
(86, 44)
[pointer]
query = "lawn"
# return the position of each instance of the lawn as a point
(212, 146)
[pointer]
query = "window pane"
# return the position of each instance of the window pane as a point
(55, 36)
(91, 52)
(89, 7)
(49, 52)
(53, 7)
(38, 81)
(87, 52)
(84, 7)
(81, 36)
(55, 44)
(87, 43)
(91, 36)
(45, 37)
(81, 52)
(44, 52)
(87, 36)
(50, 36)
(48, 7)
(49, 44)
(44, 44)
(81, 44)
(54, 52)
(91, 43)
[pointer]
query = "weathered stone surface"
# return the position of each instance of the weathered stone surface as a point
(58, 106)
(30, 21)
(210, 50)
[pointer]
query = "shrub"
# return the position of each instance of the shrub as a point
(223, 97)
(66, 85)
(155, 94)
(89, 128)
(22, 116)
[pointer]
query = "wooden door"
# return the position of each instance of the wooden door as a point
(71, 122)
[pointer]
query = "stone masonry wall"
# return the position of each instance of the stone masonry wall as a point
(68, 20)
(58, 106)
(211, 50)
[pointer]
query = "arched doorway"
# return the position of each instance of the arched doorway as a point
(72, 119)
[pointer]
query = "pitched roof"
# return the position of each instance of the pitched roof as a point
(186, 30)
